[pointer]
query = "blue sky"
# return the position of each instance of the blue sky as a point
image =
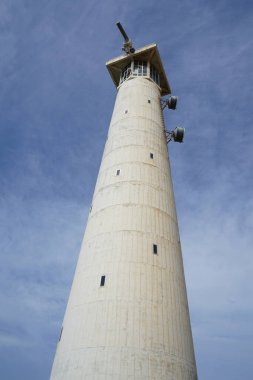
(56, 102)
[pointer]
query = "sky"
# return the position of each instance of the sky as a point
(56, 101)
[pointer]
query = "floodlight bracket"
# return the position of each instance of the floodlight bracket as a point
(177, 135)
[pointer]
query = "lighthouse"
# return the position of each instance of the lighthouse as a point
(127, 316)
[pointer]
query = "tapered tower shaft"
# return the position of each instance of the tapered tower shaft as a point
(127, 315)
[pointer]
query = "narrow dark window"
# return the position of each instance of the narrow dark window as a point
(126, 111)
(118, 172)
(60, 334)
(90, 208)
(102, 281)
(149, 101)
(151, 155)
(155, 249)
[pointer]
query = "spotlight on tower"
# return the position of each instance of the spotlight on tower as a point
(177, 135)
(127, 46)
(172, 102)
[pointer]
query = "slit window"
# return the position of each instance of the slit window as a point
(155, 249)
(126, 111)
(149, 101)
(151, 155)
(118, 172)
(102, 281)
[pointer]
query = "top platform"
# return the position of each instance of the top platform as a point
(149, 54)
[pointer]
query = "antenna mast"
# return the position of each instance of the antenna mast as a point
(127, 46)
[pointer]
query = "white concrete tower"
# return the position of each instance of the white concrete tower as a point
(127, 316)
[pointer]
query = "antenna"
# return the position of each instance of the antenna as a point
(127, 46)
